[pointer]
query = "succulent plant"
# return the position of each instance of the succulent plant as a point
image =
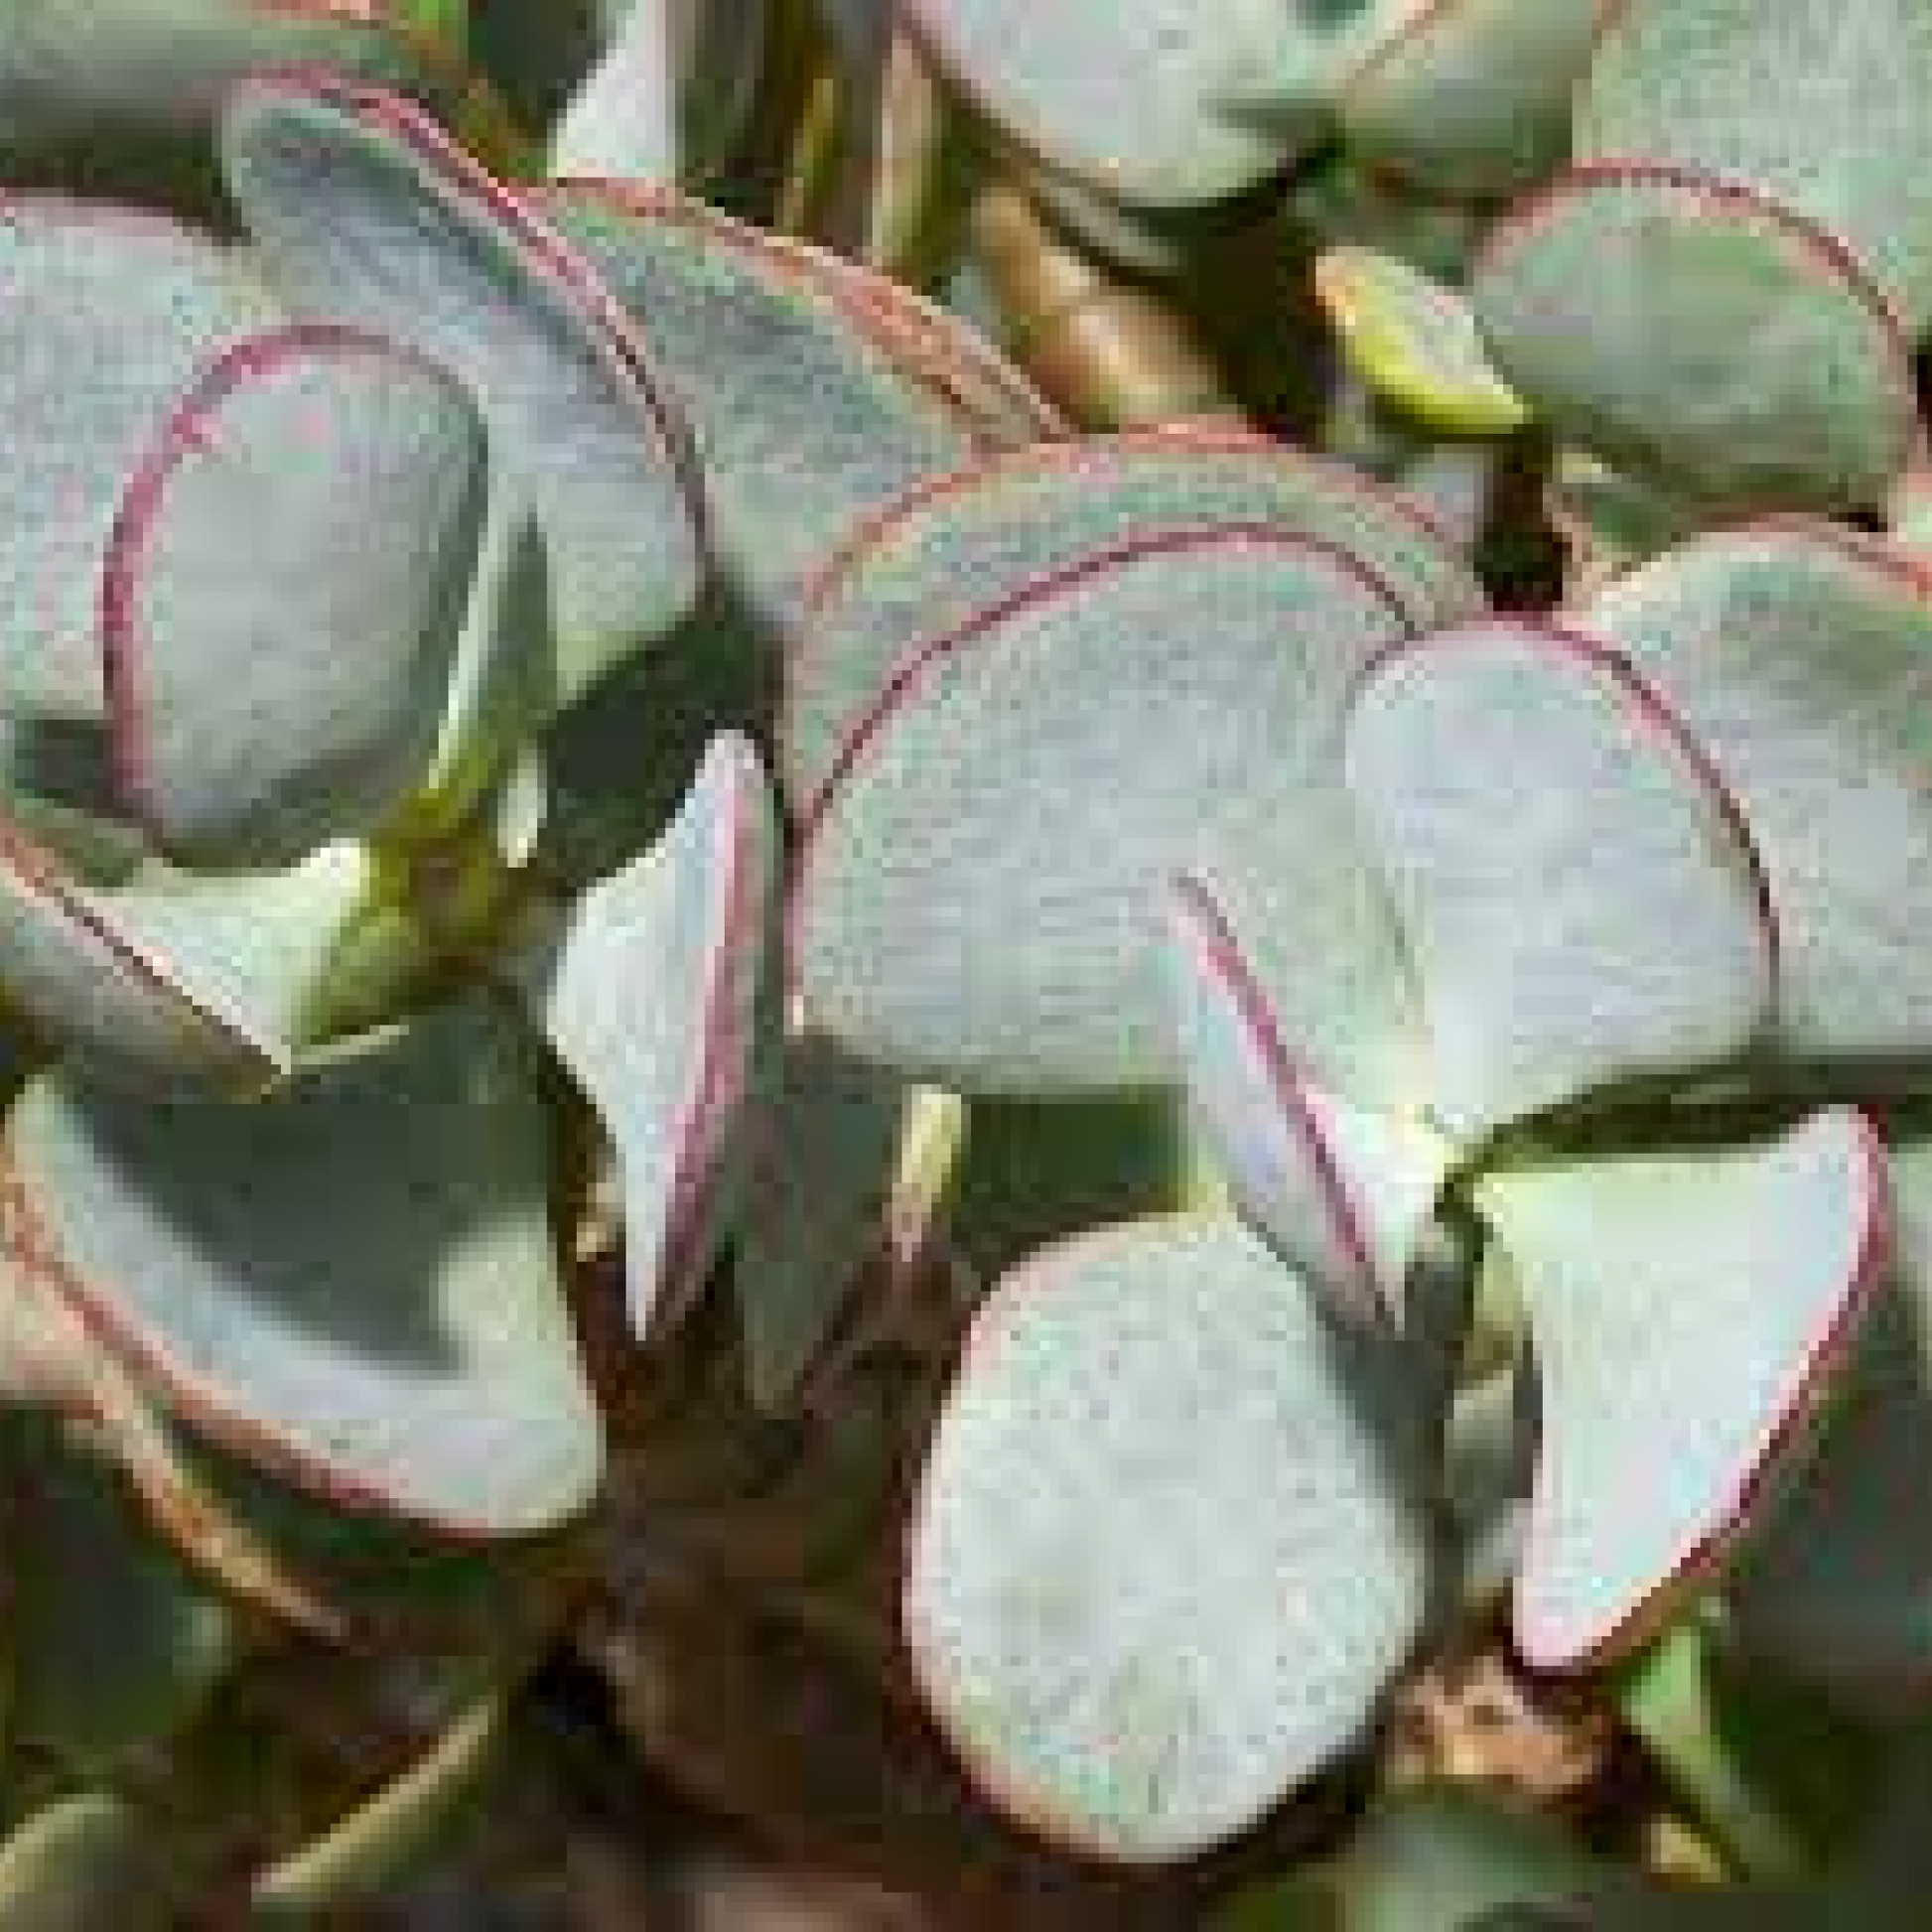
(1433, 1070)
(346, 564)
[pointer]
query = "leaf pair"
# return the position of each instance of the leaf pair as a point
(1466, 96)
(1720, 297)
(1489, 877)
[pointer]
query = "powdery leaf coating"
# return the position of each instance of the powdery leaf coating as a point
(1817, 104)
(107, 315)
(1166, 1555)
(977, 902)
(283, 594)
(351, 1284)
(367, 214)
(816, 391)
(270, 951)
(1581, 896)
(955, 544)
(651, 999)
(1721, 352)
(1800, 655)
(71, 967)
(1160, 102)
(1343, 1191)
(1686, 1310)
(1472, 97)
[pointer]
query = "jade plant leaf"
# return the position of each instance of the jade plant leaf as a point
(815, 390)
(1687, 1312)
(1343, 1191)
(280, 952)
(1156, 104)
(1796, 654)
(367, 214)
(1720, 351)
(1818, 104)
(653, 998)
(353, 1282)
(1471, 97)
(107, 315)
(72, 968)
(1167, 1553)
(978, 899)
(127, 73)
(959, 542)
(1836, 1589)
(283, 593)
(1567, 765)
(1415, 342)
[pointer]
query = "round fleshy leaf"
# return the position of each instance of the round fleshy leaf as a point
(353, 1282)
(69, 968)
(1167, 1557)
(978, 899)
(1838, 1588)
(107, 315)
(276, 951)
(1343, 1191)
(1156, 104)
(367, 214)
(651, 998)
(1471, 97)
(1687, 1312)
(926, 563)
(1581, 898)
(1716, 347)
(1819, 104)
(1798, 655)
(283, 593)
(1415, 342)
(794, 371)
(119, 84)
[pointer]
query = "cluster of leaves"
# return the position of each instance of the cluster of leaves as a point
(1504, 1033)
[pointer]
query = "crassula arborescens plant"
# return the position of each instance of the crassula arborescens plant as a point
(379, 604)
(1440, 1088)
